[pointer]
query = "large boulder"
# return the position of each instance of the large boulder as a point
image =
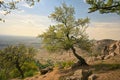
(80, 75)
(92, 77)
(100, 57)
(46, 70)
(115, 47)
(117, 50)
(110, 55)
(107, 57)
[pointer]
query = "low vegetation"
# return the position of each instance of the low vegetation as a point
(102, 67)
(17, 61)
(64, 64)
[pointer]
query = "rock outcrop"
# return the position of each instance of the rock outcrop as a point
(106, 48)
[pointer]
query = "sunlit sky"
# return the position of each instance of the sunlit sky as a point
(31, 21)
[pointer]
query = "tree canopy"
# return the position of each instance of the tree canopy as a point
(104, 6)
(68, 33)
(6, 6)
(15, 57)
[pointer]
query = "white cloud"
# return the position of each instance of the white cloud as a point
(103, 30)
(24, 25)
(32, 25)
(2, 12)
(84, 1)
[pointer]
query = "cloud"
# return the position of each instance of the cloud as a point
(2, 12)
(24, 25)
(84, 1)
(32, 25)
(102, 30)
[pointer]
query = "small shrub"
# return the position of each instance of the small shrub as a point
(43, 66)
(14, 73)
(29, 73)
(29, 69)
(50, 62)
(64, 64)
(3, 76)
(29, 66)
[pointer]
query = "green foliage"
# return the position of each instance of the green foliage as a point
(29, 69)
(64, 64)
(30, 73)
(8, 5)
(45, 65)
(104, 6)
(3, 75)
(68, 32)
(16, 60)
(29, 65)
(14, 73)
(49, 63)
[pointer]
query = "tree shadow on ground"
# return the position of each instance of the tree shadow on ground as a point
(102, 67)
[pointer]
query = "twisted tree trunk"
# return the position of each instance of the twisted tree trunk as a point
(19, 69)
(82, 61)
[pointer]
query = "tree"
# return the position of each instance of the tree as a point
(6, 6)
(104, 6)
(16, 56)
(68, 33)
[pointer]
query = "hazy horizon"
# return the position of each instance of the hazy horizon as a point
(20, 36)
(6, 40)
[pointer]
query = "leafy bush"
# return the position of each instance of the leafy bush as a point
(28, 66)
(16, 60)
(64, 64)
(14, 73)
(47, 64)
(30, 73)
(29, 69)
(3, 76)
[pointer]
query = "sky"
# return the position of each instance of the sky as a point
(31, 21)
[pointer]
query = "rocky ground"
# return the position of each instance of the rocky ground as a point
(108, 69)
(105, 66)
